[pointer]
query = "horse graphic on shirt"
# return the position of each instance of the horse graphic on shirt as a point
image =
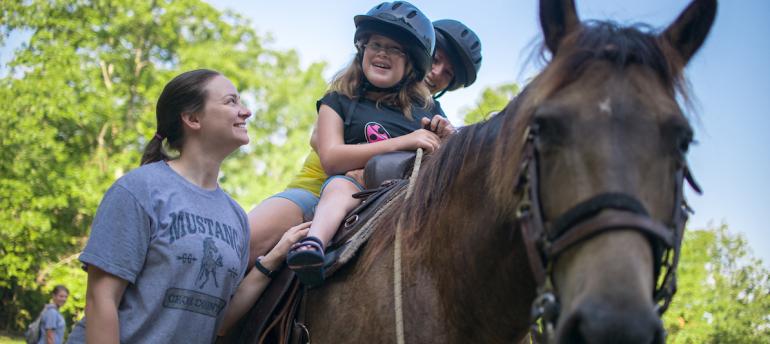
(209, 264)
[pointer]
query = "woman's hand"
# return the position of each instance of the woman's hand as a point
(419, 138)
(276, 256)
(255, 281)
(439, 125)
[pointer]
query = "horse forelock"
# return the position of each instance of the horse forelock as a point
(621, 46)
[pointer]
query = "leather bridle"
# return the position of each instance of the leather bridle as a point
(599, 214)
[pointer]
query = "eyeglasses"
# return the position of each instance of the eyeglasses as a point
(377, 48)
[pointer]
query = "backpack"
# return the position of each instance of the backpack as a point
(33, 330)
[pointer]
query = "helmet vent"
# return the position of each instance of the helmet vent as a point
(475, 45)
(380, 5)
(464, 33)
(397, 5)
(477, 61)
(411, 14)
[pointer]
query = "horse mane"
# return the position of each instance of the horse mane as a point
(492, 149)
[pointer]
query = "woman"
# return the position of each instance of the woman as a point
(51, 321)
(168, 247)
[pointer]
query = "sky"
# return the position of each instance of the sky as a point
(731, 159)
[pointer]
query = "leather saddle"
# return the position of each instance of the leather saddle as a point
(272, 319)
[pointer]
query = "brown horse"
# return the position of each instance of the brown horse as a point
(598, 133)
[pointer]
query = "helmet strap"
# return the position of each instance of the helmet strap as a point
(441, 93)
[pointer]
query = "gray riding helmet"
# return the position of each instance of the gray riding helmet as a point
(464, 49)
(406, 24)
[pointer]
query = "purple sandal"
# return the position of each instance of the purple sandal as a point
(307, 264)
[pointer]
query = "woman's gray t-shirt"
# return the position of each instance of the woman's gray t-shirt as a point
(182, 249)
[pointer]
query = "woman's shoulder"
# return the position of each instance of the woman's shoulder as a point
(140, 181)
(146, 173)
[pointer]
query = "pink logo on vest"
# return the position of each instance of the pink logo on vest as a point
(375, 132)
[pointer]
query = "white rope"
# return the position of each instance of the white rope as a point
(415, 173)
(397, 287)
(367, 229)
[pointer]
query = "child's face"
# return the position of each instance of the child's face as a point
(441, 72)
(384, 62)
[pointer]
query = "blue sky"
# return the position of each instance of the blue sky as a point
(729, 78)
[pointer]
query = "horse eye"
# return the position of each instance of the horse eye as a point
(549, 129)
(684, 137)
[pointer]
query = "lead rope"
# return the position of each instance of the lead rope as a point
(397, 256)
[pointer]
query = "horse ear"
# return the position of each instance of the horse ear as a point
(688, 32)
(558, 18)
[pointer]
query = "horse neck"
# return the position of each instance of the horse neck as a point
(474, 262)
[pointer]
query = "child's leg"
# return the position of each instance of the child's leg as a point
(273, 216)
(306, 257)
(336, 201)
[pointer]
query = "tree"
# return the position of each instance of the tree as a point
(492, 100)
(723, 294)
(79, 108)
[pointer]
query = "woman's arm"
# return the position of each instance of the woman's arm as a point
(338, 157)
(255, 281)
(103, 296)
(50, 336)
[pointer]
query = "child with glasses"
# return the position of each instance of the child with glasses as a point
(375, 105)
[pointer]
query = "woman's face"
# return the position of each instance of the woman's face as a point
(224, 117)
(384, 61)
(441, 72)
(60, 298)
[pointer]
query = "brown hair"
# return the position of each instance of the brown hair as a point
(185, 93)
(59, 288)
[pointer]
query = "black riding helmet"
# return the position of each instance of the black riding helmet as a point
(463, 48)
(406, 24)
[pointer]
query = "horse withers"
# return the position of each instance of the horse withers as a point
(572, 195)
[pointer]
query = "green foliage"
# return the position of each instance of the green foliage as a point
(492, 101)
(79, 107)
(723, 294)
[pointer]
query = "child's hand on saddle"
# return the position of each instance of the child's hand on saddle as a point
(420, 138)
(278, 253)
(358, 175)
(439, 125)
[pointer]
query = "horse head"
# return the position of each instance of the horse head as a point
(608, 144)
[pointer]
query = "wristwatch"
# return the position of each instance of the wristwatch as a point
(263, 269)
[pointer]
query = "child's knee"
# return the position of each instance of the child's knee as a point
(341, 185)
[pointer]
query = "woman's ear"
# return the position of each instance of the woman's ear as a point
(191, 120)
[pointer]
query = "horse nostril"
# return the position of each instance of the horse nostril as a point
(605, 323)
